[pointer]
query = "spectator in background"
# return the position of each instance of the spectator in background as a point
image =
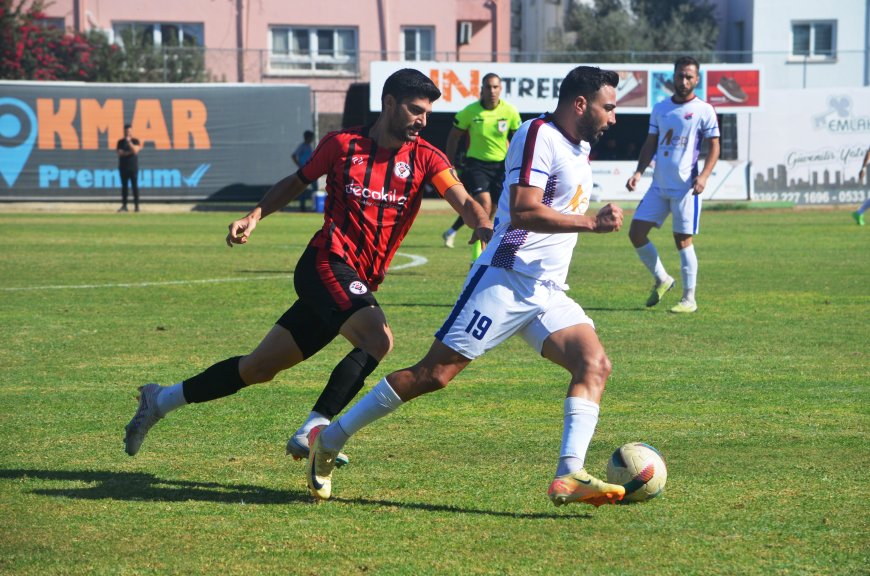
(300, 157)
(128, 165)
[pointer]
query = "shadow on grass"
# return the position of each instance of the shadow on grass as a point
(141, 486)
(460, 510)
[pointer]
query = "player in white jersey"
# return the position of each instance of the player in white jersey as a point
(558, 165)
(676, 129)
(517, 286)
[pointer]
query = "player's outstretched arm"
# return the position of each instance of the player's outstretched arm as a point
(530, 213)
(240, 230)
(608, 219)
(472, 213)
(278, 196)
(647, 153)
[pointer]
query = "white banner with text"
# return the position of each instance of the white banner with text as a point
(808, 145)
(534, 88)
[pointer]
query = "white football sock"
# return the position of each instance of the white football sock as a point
(581, 417)
(380, 401)
(650, 258)
(314, 419)
(689, 272)
(170, 397)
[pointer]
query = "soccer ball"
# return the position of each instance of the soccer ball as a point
(640, 468)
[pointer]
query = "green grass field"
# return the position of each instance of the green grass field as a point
(759, 403)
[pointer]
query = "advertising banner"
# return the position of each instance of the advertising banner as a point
(727, 182)
(534, 88)
(199, 142)
(808, 145)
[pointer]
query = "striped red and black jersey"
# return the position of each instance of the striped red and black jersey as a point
(373, 195)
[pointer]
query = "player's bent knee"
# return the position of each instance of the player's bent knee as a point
(594, 371)
(378, 345)
(258, 372)
(638, 239)
(606, 365)
(428, 385)
(602, 367)
(441, 382)
(431, 381)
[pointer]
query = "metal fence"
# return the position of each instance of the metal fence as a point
(847, 68)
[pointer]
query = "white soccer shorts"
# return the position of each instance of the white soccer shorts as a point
(496, 303)
(656, 205)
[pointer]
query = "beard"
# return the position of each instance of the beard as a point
(401, 131)
(588, 131)
(683, 92)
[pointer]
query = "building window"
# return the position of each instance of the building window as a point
(48, 22)
(312, 50)
(418, 43)
(160, 34)
(814, 40)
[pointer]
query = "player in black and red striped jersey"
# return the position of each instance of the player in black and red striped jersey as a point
(374, 179)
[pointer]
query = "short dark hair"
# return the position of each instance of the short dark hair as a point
(488, 76)
(686, 61)
(410, 83)
(127, 126)
(308, 134)
(585, 81)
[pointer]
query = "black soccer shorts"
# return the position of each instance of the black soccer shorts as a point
(479, 176)
(329, 292)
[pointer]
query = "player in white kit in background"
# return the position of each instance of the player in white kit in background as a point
(517, 286)
(676, 129)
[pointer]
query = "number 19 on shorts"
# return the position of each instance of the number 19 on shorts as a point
(479, 325)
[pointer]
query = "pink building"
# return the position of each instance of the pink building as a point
(326, 44)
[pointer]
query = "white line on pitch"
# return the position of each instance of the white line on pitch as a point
(415, 261)
(147, 284)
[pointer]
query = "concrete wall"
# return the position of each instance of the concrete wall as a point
(772, 43)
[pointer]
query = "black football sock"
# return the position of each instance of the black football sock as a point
(345, 382)
(222, 379)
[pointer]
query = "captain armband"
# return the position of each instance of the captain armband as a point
(445, 180)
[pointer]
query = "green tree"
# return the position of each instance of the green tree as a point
(680, 25)
(144, 62)
(108, 59)
(29, 50)
(619, 31)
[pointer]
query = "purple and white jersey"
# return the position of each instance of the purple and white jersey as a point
(680, 128)
(542, 156)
